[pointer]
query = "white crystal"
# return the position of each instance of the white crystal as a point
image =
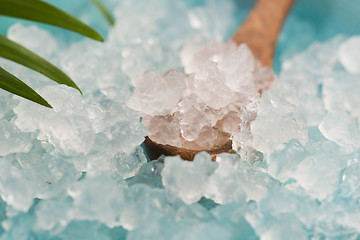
(275, 110)
(302, 189)
(186, 180)
(16, 189)
(13, 140)
(284, 227)
(105, 210)
(349, 54)
(339, 127)
(199, 50)
(157, 95)
(206, 106)
(122, 128)
(223, 186)
(52, 214)
(240, 64)
(7, 103)
(35, 39)
(318, 174)
(282, 164)
(192, 117)
(69, 126)
(163, 129)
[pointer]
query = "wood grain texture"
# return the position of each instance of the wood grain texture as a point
(262, 27)
(156, 150)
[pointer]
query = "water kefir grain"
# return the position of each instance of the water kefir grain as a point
(217, 96)
(77, 171)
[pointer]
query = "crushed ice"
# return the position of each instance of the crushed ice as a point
(78, 171)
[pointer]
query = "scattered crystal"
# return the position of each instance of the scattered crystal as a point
(349, 54)
(319, 173)
(276, 110)
(338, 126)
(78, 171)
(153, 97)
(68, 126)
(105, 210)
(16, 188)
(281, 165)
(13, 140)
(186, 180)
(35, 39)
(211, 102)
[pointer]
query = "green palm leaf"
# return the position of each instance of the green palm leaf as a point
(14, 85)
(17, 53)
(39, 11)
(105, 12)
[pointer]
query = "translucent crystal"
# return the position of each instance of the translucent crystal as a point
(35, 39)
(149, 174)
(280, 230)
(350, 182)
(275, 110)
(68, 127)
(94, 55)
(121, 126)
(186, 180)
(208, 104)
(349, 54)
(58, 218)
(104, 210)
(7, 103)
(128, 166)
(200, 49)
(340, 128)
(222, 186)
(16, 189)
(231, 217)
(13, 140)
(143, 204)
(318, 174)
(157, 95)
(94, 230)
(207, 18)
(163, 129)
(241, 139)
(282, 164)
(51, 174)
(12, 226)
(192, 118)
(78, 172)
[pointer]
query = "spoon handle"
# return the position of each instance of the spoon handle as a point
(262, 27)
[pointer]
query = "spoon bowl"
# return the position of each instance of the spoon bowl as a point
(260, 32)
(157, 149)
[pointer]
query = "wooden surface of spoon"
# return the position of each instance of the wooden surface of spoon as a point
(262, 27)
(260, 32)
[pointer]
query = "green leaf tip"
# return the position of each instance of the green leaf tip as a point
(105, 12)
(12, 84)
(17, 53)
(40, 11)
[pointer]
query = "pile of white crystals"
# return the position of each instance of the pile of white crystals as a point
(79, 172)
(217, 96)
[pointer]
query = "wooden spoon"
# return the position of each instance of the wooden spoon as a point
(260, 32)
(262, 27)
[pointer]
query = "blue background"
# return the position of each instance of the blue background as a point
(327, 18)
